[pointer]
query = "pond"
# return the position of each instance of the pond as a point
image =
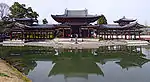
(104, 64)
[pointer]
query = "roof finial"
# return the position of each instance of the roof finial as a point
(85, 9)
(66, 9)
(66, 12)
(124, 17)
(86, 12)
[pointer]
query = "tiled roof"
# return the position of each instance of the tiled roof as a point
(124, 19)
(42, 26)
(117, 26)
(75, 13)
(79, 16)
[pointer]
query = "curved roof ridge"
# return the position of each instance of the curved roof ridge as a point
(76, 12)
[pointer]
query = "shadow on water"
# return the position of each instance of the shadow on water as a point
(73, 62)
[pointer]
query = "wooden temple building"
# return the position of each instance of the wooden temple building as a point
(75, 23)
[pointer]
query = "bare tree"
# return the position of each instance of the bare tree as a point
(4, 10)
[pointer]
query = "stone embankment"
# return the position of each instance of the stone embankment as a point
(79, 43)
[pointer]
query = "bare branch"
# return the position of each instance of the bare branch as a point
(4, 10)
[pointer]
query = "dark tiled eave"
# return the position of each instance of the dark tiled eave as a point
(102, 26)
(64, 16)
(42, 26)
(124, 20)
(83, 19)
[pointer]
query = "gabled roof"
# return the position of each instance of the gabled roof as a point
(124, 19)
(75, 17)
(75, 14)
(118, 26)
(15, 26)
(65, 19)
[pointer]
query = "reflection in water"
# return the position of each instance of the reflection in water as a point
(72, 64)
(75, 66)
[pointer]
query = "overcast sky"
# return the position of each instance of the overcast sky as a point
(112, 9)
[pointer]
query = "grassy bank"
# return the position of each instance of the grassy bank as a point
(10, 74)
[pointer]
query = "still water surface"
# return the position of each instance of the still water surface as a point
(105, 64)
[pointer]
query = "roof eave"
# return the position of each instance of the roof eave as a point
(89, 19)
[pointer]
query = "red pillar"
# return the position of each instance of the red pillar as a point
(63, 33)
(15, 36)
(125, 35)
(70, 32)
(88, 32)
(121, 35)
(112, 36)
(96, 33)
(139, 36)
(116, 35)
(107, 36)
(11, 36)
(22, 36)
(128, 36)
(80, 33)
(104, 35)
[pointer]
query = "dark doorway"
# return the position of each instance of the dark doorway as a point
(84, 33)
(75, 30)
